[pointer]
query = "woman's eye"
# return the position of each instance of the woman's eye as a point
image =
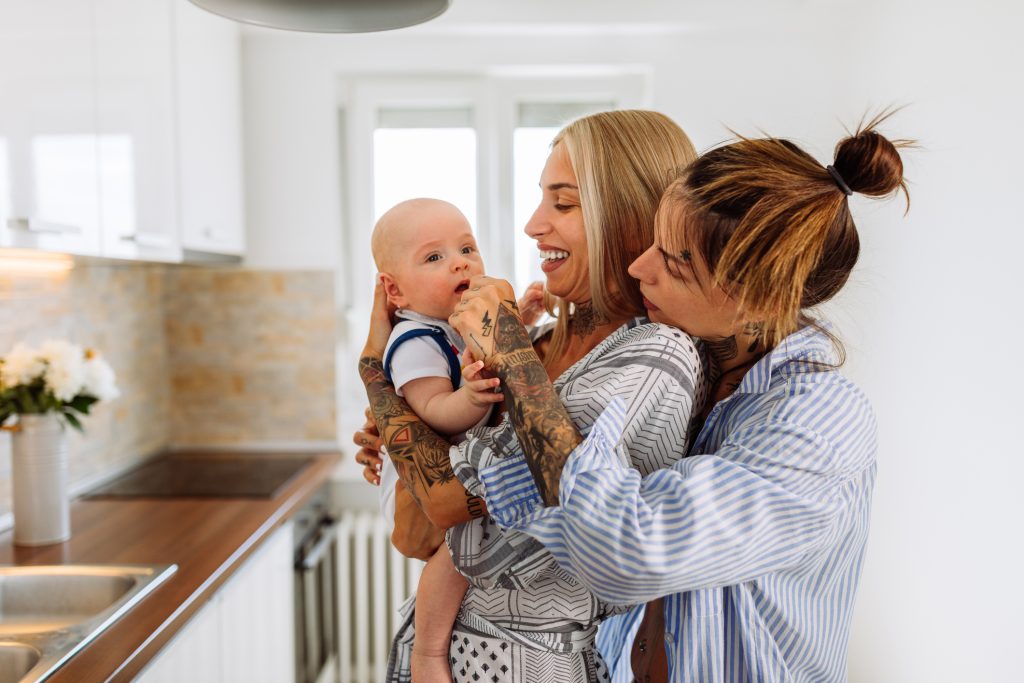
(671, 265)
(433, 257)
(562, 207)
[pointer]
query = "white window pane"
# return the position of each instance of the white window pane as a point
(530, 149)
(424, 162)
(424, 118)
(546, 114)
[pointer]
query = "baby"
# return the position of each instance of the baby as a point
(425, 253)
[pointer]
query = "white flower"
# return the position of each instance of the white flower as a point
(21, 366)
(65, 368)
(99, 378)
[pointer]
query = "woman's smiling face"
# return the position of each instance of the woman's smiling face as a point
(557, 226)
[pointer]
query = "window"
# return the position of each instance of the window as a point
(424, 153)
(479, 143)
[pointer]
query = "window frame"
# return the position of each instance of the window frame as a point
(493, 100)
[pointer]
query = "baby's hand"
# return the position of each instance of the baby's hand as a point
(480, 390)
(531, 304)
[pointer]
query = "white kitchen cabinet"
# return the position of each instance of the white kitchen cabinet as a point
(49, 171)
(195, 653)
(209, 110)
(246, 632)
(258, 615)
(136, 122)
(120, 129)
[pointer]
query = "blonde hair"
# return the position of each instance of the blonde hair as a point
(623, 161)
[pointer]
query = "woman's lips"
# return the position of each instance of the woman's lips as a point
(649, 306)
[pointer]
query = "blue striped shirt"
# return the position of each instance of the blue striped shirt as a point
(756, 539)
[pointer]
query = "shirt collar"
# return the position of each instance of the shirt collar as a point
(453, 336)
(808, 344)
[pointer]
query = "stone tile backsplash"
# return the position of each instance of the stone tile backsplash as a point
(251, 355)
(202, 356)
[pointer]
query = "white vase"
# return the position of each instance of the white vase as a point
(39, 476)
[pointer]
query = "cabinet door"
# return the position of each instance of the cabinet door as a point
(194, 655)
(48, 136)
(258, 615)
(208, 80)
(135, 116)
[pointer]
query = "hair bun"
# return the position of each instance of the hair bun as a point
(870, 163)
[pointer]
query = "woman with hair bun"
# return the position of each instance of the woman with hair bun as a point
(748, 551)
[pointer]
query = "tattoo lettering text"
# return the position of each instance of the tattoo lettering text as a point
(546, 432)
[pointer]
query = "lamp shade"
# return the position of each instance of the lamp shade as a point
(328, 16)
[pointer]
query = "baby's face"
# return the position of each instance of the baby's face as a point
(435, 255)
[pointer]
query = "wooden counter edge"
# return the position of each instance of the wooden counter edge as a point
(307, 483)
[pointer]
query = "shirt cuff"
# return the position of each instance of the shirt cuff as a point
(600, 450)
(509, 489)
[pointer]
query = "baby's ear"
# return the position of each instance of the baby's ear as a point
(394, 292)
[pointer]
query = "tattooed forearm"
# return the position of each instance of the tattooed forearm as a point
(546, 433)
(420, 455)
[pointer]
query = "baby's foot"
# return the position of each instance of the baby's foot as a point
(430, 668)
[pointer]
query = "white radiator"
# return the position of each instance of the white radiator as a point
(374, 579)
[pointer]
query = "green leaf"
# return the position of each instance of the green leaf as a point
(28, 401)
(73, 421)
(83, 402)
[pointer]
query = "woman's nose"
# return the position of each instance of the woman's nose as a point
(536, 226)
(640, 268)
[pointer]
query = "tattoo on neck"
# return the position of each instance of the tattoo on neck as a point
(585, 320)
(756, 332)
(723, 348)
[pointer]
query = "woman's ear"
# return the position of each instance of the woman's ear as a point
(394, 292)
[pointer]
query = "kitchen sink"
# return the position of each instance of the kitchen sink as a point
(48, 613)
(16, 660)
(51, 598)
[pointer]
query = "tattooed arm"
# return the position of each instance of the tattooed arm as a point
(489, 321)
(420, 456)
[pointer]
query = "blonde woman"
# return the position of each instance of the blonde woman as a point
(525, 619)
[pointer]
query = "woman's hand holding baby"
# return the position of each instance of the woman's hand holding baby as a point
(380, 323)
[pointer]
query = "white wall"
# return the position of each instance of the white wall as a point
(928, 318)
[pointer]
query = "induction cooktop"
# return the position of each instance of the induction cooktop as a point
(206, 475)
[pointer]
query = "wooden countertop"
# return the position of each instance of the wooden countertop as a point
(207, 538)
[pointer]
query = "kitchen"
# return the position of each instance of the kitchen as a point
(221, 266)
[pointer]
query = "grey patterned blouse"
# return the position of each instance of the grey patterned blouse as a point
(525, 619)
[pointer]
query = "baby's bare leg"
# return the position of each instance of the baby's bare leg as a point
(438, 598)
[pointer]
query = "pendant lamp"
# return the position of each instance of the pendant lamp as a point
(328, 16)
